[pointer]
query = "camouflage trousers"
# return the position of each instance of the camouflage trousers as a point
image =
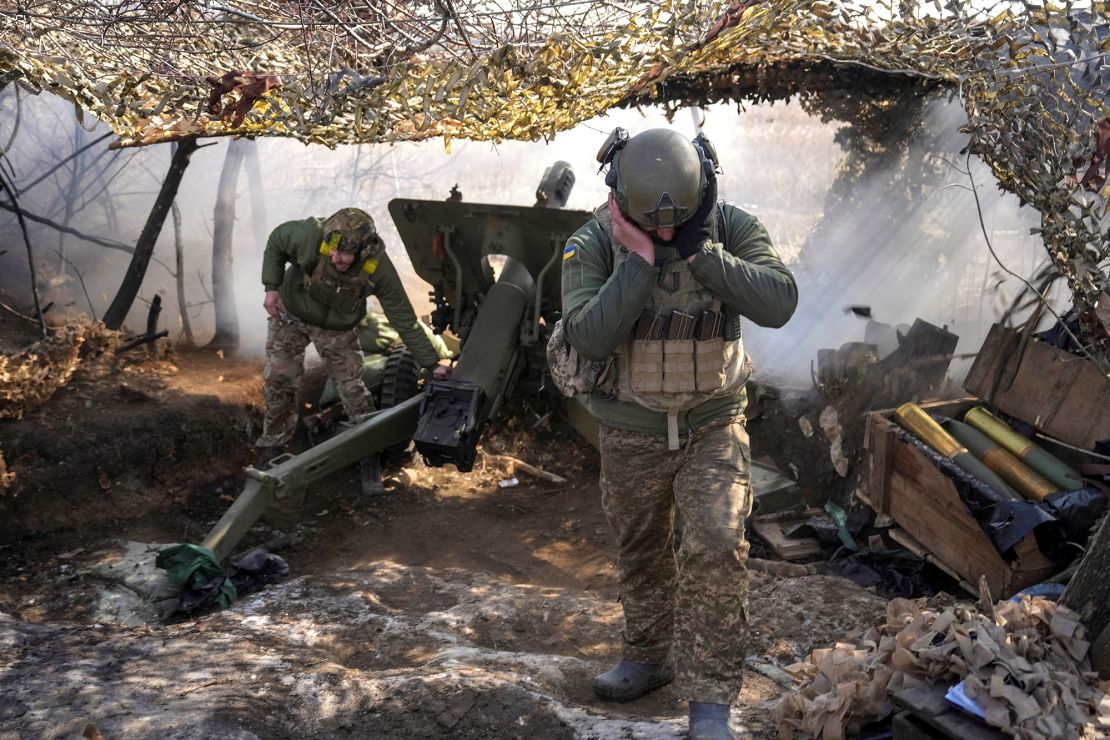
(688, 604)
(285, 344)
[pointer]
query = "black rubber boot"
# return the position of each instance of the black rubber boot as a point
(709, 722)
(266, 454)
(630, 680)
(370, 475)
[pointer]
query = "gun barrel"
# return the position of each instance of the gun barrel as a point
(453, 411)
(492, 344)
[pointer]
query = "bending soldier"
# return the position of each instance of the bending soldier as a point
(653, 290)
(334, 265)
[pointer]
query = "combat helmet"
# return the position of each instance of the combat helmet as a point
(658, 177)
(352, 230)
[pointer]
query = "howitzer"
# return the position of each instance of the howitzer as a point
(495, 274)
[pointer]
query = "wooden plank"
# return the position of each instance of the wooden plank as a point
(879, 443)
(903, 538)
(787, 548)
(1063, 395)
(926, 504)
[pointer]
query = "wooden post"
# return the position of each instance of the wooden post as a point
(152, 321)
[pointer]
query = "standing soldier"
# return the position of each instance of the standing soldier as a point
(334, 264)
(654, 287)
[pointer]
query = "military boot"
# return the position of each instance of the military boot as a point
(630, 680)
(370, 475)
(709, 722)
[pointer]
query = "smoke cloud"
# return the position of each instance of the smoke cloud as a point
(779, 163)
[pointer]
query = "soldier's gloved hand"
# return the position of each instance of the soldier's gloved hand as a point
(689, 237)
(628, 234)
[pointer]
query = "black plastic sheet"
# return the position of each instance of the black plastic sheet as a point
(1077, 511)
(1057, 336)
(892, 574)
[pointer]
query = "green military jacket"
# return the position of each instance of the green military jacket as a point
(601, 305)
(297, 244)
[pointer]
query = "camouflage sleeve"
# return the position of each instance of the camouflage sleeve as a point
(600, 304)
(749, 278)
(395, 303)
(275, 257)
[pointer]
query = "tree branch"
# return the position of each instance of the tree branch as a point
(6, 184)
(59, 165)
(69, 230)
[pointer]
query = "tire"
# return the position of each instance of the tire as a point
(402, 377)
(401, 382)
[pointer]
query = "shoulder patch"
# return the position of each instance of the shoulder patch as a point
(569, 250)
(370, 265)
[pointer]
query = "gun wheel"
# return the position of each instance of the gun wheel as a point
(401, 382)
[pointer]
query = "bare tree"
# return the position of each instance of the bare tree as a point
(144, 247)
(223, 276)
(259, 217)
(179, 274)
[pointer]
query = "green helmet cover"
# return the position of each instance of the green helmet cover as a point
(659, 179)
(352, 230)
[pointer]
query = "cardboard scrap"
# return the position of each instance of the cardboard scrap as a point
(1024, 663)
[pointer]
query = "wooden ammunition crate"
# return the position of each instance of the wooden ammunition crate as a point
(1063, 395)
(902, 482)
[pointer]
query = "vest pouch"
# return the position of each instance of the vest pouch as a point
(344, 292)
(709, 357)
(645, 365)
(678, 366)
(343, 298)
(570, 373)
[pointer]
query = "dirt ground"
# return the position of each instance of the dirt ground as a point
(449, 606)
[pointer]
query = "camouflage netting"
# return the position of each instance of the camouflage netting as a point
(30, 377)
(1033, 78)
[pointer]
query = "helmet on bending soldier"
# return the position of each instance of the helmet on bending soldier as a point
(352, 230)
(657, 177)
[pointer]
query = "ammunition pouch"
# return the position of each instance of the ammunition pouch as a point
(346, 292)
(675, 375)
(573, 375)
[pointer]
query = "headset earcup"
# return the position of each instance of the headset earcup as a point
(611, 176)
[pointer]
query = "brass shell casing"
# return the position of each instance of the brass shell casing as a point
(1062, 477)
(914, 419)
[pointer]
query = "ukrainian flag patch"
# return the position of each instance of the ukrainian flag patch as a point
(569, 251)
